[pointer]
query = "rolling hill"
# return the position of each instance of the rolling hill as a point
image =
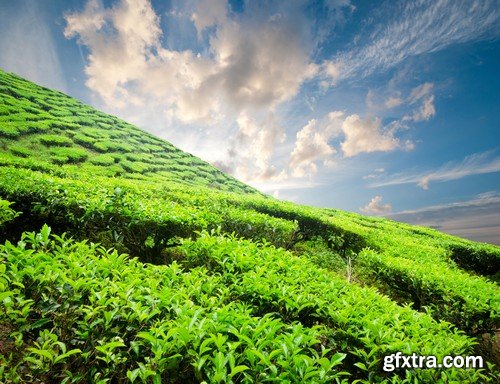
(125, 259)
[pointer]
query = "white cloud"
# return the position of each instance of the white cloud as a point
(419, 27)
(380, 102)
(420, 91)
(253, 63)
(375, 207)
(426, 110)
(475, 164)
(243, 69)
(121, 41)
(251, 149)
(312, 145)
(477, 219)
(358, 135)
(366, 135)
(209, 13)
(393, 102)
(389, 98)
(376, 174)
(330, 72)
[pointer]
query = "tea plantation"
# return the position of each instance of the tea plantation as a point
(124, 259)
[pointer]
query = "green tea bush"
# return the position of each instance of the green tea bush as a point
(6, 110)
(483, 260)
(59, 112)
(134, 167)
(40, 126)
(132, 322)
(55, 140)
(84, 140)
(9, 130)
(103, 160)
(20, 151)
(96, 133)
(471, 303)
(152, 147)
(365, 325)
(111, 146)
(62, 155)
(6, 212)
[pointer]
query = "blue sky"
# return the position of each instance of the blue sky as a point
(385, 108)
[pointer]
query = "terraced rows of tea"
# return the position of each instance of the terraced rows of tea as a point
(124, 259)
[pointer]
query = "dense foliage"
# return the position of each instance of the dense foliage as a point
(223, 284)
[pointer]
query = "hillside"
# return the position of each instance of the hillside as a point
(41, 128)
(171, 271)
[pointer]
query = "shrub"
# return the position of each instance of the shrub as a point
(103, 160)
(483, 260)
(6, 212)
(9, 130)
(20, 151)
(55, 140)
(134, 167)
(40, 126)
(112, 146)
(61, 155)
(84, 140)
(6, 110)
(95, 132)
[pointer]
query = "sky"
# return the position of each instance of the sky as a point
(386, 108)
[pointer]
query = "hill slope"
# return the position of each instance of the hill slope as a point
(40, 128)
(223, 284)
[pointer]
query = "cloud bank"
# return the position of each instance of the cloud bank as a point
(476, 219)
(241, 72)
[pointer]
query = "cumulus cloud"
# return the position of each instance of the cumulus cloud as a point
(379, 101)
(418, 104)
(312, 145)
(251, 149)
(242, 69)
(330, 72)
(366, 135)
(209, 13)
(314, 142)
(122, 41)
(375, 207)
(419, 27)
(241, 73)
(475, 164)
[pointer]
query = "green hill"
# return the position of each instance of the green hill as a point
(128, 260)
(40, 128)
